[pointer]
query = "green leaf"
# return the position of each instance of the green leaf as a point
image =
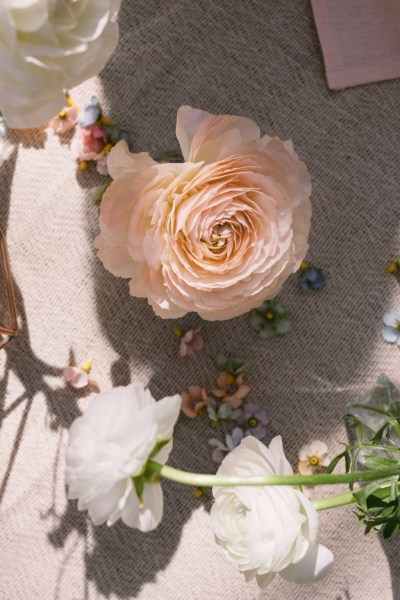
(139, 482)
(391, 528)
(372, 488)
(337, 459)
(158, 447)
(374, 461)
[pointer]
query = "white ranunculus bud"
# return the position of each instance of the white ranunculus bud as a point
(267, 530)
(49, 45)
(108, 449)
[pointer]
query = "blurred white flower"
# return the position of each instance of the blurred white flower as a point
(267, 530)
(49, 45)
(312, 457)
(107, 453)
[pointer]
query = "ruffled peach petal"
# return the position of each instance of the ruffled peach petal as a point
(121, 161)
(188, 122)
(219, 135)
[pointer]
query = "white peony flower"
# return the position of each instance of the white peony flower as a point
(48, 45)
(111, 444)
(267, 530)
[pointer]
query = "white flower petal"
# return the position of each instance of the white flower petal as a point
(101, 507)
(318, 447)
(266, 530)
(167, 413)
(391, 318)
(147, 517)
(305, 452)
(389, 334)
(29, 15)
(314, 566)
(46, 47)
(109, 445)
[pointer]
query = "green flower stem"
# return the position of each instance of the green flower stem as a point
(334, 501)
(340, 499)
(202, 480)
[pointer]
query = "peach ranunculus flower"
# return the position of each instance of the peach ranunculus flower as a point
(217, 234)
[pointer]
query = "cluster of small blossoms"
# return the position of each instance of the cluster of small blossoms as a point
(227, 402)
(97, 136)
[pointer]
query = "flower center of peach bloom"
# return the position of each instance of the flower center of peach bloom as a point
(313, 460)
(220, 235)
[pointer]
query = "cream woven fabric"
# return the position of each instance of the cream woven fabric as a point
(256, 58)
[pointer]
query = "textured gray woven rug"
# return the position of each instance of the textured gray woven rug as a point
(256, 58)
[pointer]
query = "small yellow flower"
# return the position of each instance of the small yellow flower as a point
(105, 121)
(106, 149)
(392, 268)
(177, 331)
(87, 367)
(83, 165)
(313, 457)
(304, 265)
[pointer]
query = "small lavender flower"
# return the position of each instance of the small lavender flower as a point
(232, 440)
(312, 278)
(391, 327)
(270, 319)
(254, 420)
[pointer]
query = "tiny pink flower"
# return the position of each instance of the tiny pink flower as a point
(65, 120)
(191, 342)
(90, 144)
(193, 400)
(78, 377)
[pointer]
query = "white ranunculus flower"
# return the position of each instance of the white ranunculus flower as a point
(48, 45)
(267, 530)
(109, 445)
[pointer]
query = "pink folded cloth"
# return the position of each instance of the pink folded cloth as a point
(360, 40)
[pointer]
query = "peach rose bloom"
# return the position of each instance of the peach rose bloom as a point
(217, 234)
